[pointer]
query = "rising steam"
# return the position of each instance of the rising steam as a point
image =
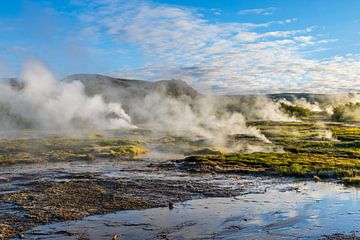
(172, 108)
(40, 101)
(192, 118)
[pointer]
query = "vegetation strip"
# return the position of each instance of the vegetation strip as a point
(64, 149)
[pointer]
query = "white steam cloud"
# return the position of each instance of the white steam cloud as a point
(40, 101)
(174, 108)
(262, 108)
(201, 117)
(302, 102)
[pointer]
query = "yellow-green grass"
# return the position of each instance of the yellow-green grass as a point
(352, 180)
(63, 149)
(287, 164)
(346, 133)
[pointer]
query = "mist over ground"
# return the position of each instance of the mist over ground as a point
(39, 101)
(232, 119)
(86, 102)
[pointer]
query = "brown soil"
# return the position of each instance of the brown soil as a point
(47, 202)
(340, 236)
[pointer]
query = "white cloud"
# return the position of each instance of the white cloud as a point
(259, 11)
(222, 57)
(307, 40)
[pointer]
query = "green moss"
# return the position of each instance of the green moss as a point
(62, 149)
(311, 148)
(346, 113)
(295, 111)
(289, 164)
(352, 180)
(346, 133)
(208, 151)
(119, 151)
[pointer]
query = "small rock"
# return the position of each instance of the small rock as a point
(316, 179)
(116, 237)
(3, 179)
(171, 205)
(21, 235)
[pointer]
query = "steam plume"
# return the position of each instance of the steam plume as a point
(42, 102)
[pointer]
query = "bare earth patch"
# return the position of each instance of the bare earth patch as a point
(48, 202)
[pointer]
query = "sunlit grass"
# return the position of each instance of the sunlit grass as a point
(63, 149)
(352, 180)
(327, 150)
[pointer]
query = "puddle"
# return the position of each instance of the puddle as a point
(304, 210)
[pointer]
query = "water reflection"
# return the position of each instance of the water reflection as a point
(287, 211)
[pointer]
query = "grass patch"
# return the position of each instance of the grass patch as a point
(352, 180)
(207, 151)
(310, 148)
(285, 164)
(346, 133)
(62, 149)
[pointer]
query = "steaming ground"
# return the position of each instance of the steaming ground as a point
(42, 102)
(88, 102)
(232, 143)
(39, 101)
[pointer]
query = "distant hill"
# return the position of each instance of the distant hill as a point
(310, 97)
(124, 89)
(100, 84)
(169, 101)
(12, 82)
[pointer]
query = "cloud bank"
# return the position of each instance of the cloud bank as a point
(260, 11)
(222, 57)
(145, 39)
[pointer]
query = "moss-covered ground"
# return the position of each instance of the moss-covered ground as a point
(302, 149)
(322, 149)
(29, 150)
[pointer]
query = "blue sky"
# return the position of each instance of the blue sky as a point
(232, 46)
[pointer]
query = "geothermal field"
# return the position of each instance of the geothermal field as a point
(180, 119)
(96, 157)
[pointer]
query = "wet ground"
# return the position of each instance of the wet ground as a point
(289, 211)
(137, 199)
